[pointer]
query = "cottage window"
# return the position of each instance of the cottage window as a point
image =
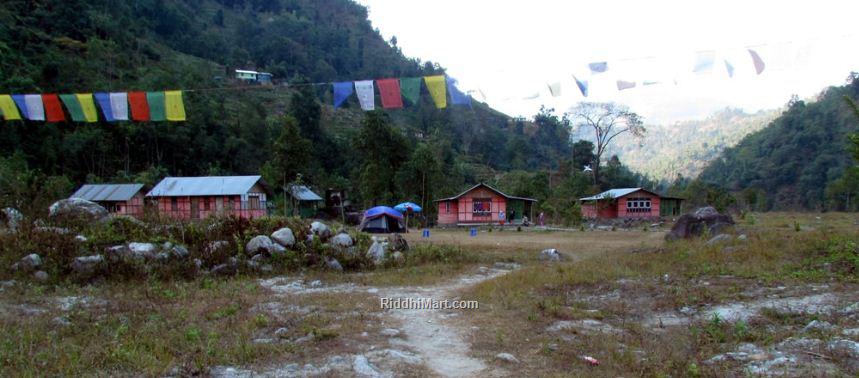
(174, 204)
(206, 204)
(482, 206)
(638, 205)
(253, 202)
(447, 207)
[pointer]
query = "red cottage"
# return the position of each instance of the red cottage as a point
(482, 204)
(629, 203)
(200, 197)
(124, 199)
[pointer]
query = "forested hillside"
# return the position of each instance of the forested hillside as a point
(288, 132)
(685, 148)
(795, 162)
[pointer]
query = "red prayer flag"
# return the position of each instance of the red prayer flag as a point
(53, 108)
(139, 106)
(389, 90)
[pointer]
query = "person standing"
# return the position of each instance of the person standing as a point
(501, 218)
(541, 218)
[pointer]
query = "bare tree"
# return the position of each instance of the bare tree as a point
(607, 120)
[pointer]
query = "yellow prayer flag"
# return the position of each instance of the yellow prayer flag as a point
(437, 89)
(174, 107)
(87, 106)
(9, 109)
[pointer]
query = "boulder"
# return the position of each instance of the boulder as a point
(705, 220)
(333, 264)
(320, 229)
(718, 239)
(77, 209)
(28, 264)
(284, 237)
(86, 265)
(342, 240)
(550, 254)
(398, 243)
(259, 244)
(179, 252)
(277, 249)
(11, 218)
(131, 252)
(378, 250)
(146, 251)
(41, 276)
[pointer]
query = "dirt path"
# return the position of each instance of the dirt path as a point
(430, 332)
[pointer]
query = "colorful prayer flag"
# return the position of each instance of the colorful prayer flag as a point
(74, 107)
(87, 106)
(174, 106)
(342, 91)
(389, 91)
(53, 108)
(704, 61)
(583, 86)
(156, 106)
(35, 108)
(139, 106)
(410, 87)
(555, 89)
(456, 96)
(730, 68)
(8, 108)
(623, 84)
(756, 59)
(22, 104)
(598, 67)
(119, 105)
(366, 96)
(436, 87)
(103, 100)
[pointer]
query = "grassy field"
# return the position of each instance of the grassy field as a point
(622, 279)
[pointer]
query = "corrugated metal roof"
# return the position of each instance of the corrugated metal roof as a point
(612, 193)
(303, 193)
(107, 192)
(204, 186)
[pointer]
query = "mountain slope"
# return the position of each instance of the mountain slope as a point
(790, 163)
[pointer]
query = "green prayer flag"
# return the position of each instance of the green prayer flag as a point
(156, 106)
(410, 87)
(74, 107)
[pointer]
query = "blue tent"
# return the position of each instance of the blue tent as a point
(382, 219)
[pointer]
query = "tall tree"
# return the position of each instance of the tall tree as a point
(607, 121)
(420, 175)
(291, 154)
(383, 150)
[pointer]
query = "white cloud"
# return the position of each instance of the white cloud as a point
(510, 49)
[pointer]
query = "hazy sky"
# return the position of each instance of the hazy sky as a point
(511, 50)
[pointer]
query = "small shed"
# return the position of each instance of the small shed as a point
(125, 199)
(302, 201)
(629, 203)
(483, 204)
(254, 76)
(200, 197)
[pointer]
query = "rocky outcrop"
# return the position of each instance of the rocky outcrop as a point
(260, 244)
(77, 209)
(704, 221)
(284, 237)
(321, 230)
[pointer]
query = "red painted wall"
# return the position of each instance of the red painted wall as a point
(217, 205)
(620, 209)
(462, 208)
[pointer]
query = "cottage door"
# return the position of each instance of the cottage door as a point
(195, 208)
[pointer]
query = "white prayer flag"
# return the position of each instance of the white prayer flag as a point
(555, 89)
(119, 105)
(366, 97)
(35, 108)
(704, 61)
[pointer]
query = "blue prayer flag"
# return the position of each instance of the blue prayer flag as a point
(342, 91)
(583, 86)
(598, 67)
(456, 96)
(22, 104)
(103, 100)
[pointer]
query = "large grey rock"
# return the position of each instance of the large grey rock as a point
(259, 244)
(378, 250)
(705, 220)
(179, 252)
(342, 240)
(41, 276)
(320, 229)
(550, 254)
(11, 218)
(718, 239)
(131, 252)
(78, 209)
(284, 237)
(145, 250)
(28, 263)
(86, 265)
(398, 243)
